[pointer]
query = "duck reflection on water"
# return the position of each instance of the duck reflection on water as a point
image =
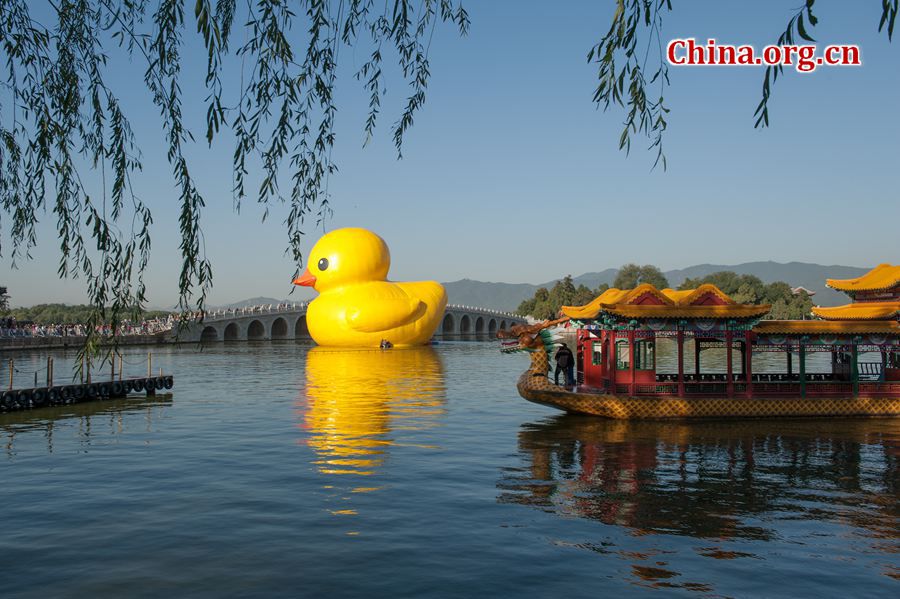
(710, 480)
(354, 399)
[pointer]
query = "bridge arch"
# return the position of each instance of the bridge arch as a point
(448, 326)
(279, 328)
(232, 332)
(261, 323)
(465, 325)
(301, 329)
(256, 331)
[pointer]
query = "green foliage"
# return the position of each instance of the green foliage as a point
(748, 289)
(730, 283)
(634, 39)
(66, 314)
(632, 275)
(622, 63)
(546, 304)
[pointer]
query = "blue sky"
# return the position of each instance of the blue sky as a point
(511, 174)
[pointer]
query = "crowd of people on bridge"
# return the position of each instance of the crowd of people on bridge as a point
(257, 309)
(11, 328)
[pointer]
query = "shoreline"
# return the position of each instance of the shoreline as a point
(14, 344)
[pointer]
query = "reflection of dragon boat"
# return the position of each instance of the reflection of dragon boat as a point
(727, 475)
(618, 333)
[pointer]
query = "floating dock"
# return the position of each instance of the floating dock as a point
(13, 400)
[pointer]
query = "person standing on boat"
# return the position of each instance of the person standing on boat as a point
(565, 362)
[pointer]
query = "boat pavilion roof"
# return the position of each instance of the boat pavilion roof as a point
(827, 327)
(860, 311)
(646, 301)
(881, 278)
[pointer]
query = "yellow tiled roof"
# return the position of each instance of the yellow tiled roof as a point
(883, 276)
(827, 327)
(672, 304)
(860, 311)
(689, 296)
(727, 311)
(612, 297)
(677, 295)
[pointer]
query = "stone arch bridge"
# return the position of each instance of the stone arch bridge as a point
(288, 321)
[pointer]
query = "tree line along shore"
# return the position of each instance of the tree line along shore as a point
(787, 303)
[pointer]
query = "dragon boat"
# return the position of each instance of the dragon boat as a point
(844, 362)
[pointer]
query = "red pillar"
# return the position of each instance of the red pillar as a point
(611, 371)
(631, 360)
(748, 367)
(680, 362)
(729, 385)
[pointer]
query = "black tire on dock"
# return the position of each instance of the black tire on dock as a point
(128, 387)
(23, 399)
(53, 396)
(138, 385)
(170, 382)
(78, 392)
(92, 391)
(65, 393)
(160, 383)
(39, 398)
(104, 389)
(8, 400)
(118, 389)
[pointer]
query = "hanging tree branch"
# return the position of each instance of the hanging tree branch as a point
(622, 72)
(623, 78)
(64, 133)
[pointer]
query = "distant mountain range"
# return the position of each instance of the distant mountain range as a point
(508, 296)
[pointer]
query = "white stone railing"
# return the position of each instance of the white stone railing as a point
(483, 311)
(227, 313)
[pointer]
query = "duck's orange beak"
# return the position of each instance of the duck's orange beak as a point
(306, 279)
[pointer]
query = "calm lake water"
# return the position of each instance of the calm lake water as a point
(281, 470)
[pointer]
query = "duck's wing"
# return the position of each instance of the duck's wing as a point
(383, 312)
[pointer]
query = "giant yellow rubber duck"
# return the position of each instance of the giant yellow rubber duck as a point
(357, 306)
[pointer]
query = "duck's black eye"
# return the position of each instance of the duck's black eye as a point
(323, 264)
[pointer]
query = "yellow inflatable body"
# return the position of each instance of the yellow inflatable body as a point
(357, 306)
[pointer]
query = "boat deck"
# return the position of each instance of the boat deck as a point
(761, 387)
